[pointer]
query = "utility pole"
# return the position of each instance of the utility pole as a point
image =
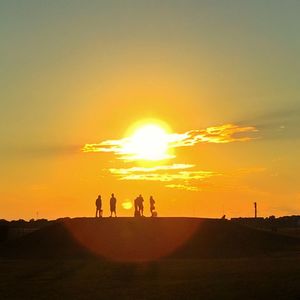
(255, 210)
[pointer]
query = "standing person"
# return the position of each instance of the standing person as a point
(99, 206)
(113, 204)
(136, 207)
(152, 206)
(141, 205)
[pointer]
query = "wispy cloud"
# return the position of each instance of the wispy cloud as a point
(222, 134)
(126, 171)
(185, 187)
(175, 176)
(166, 177)
(280, 123)
(165, 173)
(122, 148)
(230, 181)
(227, 133)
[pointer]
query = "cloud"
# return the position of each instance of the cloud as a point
(149, 175)
(126, 171)
(289, 113)
(122, 148)
(180, 175)
(185, 187)
(176, 173)
(222, 134)
(114, 146)
(183, 180)
(227, 133)
(280, 123)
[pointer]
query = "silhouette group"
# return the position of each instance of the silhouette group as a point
(138, 206)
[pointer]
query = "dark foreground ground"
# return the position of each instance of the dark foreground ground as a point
(254, 278)
(161, 258)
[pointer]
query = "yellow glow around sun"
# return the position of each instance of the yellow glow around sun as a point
(126, 204)
(148, 142)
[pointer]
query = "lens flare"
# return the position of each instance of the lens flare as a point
(127, 205)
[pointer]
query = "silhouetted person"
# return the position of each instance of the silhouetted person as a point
(136, 208)
(113, 204)
(140, 204)
(152, 205)
(98, 206)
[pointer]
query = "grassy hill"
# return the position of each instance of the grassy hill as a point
(206, 259)
(146, 239)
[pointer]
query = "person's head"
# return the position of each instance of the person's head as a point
(99, 196)
(112, 195)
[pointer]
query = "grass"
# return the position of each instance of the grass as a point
(210, 264)
(253, 278)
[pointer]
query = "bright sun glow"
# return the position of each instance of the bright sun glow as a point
(126, 204)
(148, 142)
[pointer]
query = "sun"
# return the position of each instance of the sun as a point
(148, 142)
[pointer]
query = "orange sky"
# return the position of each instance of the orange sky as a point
(74, 76)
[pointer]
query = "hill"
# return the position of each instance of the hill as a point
(142, 239)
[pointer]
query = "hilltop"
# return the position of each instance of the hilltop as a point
(142, 239)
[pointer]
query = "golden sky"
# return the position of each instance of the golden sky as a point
(193, 102)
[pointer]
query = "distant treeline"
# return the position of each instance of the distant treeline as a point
(29, 224)
(285, 221)
(17, 228)
(271, 222)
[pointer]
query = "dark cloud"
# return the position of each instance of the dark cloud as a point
(281, 123)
